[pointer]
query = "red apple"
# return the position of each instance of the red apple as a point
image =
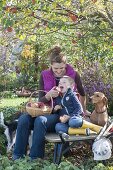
(33, 2)
(74, 41)
(36, 105)
(13, 9)
(94, 1)
(9, 29)
(73, 17)
(29, 104)
(41, 104)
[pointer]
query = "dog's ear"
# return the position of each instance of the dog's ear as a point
(105, 101)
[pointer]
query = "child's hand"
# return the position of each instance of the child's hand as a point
(64, 118)
(57, 107)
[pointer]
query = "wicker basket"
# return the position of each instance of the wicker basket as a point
(35, 111)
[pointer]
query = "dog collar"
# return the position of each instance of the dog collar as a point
(101, 112)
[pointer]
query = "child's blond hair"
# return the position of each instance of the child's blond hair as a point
(71, 80)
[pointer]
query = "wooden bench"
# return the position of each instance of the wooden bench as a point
(62, 138)
(57, 139)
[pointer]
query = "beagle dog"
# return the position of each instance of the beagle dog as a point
(99, 116)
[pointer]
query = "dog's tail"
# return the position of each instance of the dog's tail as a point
(6, 123)
(1, 118)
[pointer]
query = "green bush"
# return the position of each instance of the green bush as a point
(26, 164)
(8, 94)
(3, 141)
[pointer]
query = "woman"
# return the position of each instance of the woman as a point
(49, 79)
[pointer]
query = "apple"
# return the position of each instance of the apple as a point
(13, 9)
(36, 105)
(73, 17)
(74, 41)
(79, 35)
(41, 104)
(29, 104)
(33, 105)
(9, 29)
(94, 1)
(32, 14)
(33, 2)
(7, 8)
(58, 89)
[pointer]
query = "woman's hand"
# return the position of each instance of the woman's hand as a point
(64, 118)
(52, 93)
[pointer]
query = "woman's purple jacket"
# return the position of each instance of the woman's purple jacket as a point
(49, 78)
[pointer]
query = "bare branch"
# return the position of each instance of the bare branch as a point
(105, 18)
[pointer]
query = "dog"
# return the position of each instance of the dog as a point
(3, 133)
(100, 115)
(10, 131)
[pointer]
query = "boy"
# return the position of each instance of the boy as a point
(70, 110)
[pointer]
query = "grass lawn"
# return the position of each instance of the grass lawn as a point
(11, 106)
(12, 102)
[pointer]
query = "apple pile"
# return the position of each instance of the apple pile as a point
(37, 105)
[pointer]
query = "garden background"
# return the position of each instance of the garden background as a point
(29, 28)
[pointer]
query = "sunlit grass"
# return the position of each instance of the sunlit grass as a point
(12, 102)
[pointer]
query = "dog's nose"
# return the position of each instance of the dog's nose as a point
(90, 99)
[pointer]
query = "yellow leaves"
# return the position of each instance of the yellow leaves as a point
(81, 1)
(22, 37)
(99, 4)
(68, 3)
(22, 65)
(54, 4)
(47, 29)
(94, 6)
(27, 52)
(100, 7)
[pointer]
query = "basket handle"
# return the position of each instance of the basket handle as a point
(42, 91)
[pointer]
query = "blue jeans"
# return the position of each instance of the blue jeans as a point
(40, 126)
(74, 122)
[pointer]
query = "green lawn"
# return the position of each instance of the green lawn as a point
(12, 102)
(11, 106)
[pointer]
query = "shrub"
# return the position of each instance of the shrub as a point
(97, 78)
(8, 94)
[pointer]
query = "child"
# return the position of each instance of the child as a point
(70, 110)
